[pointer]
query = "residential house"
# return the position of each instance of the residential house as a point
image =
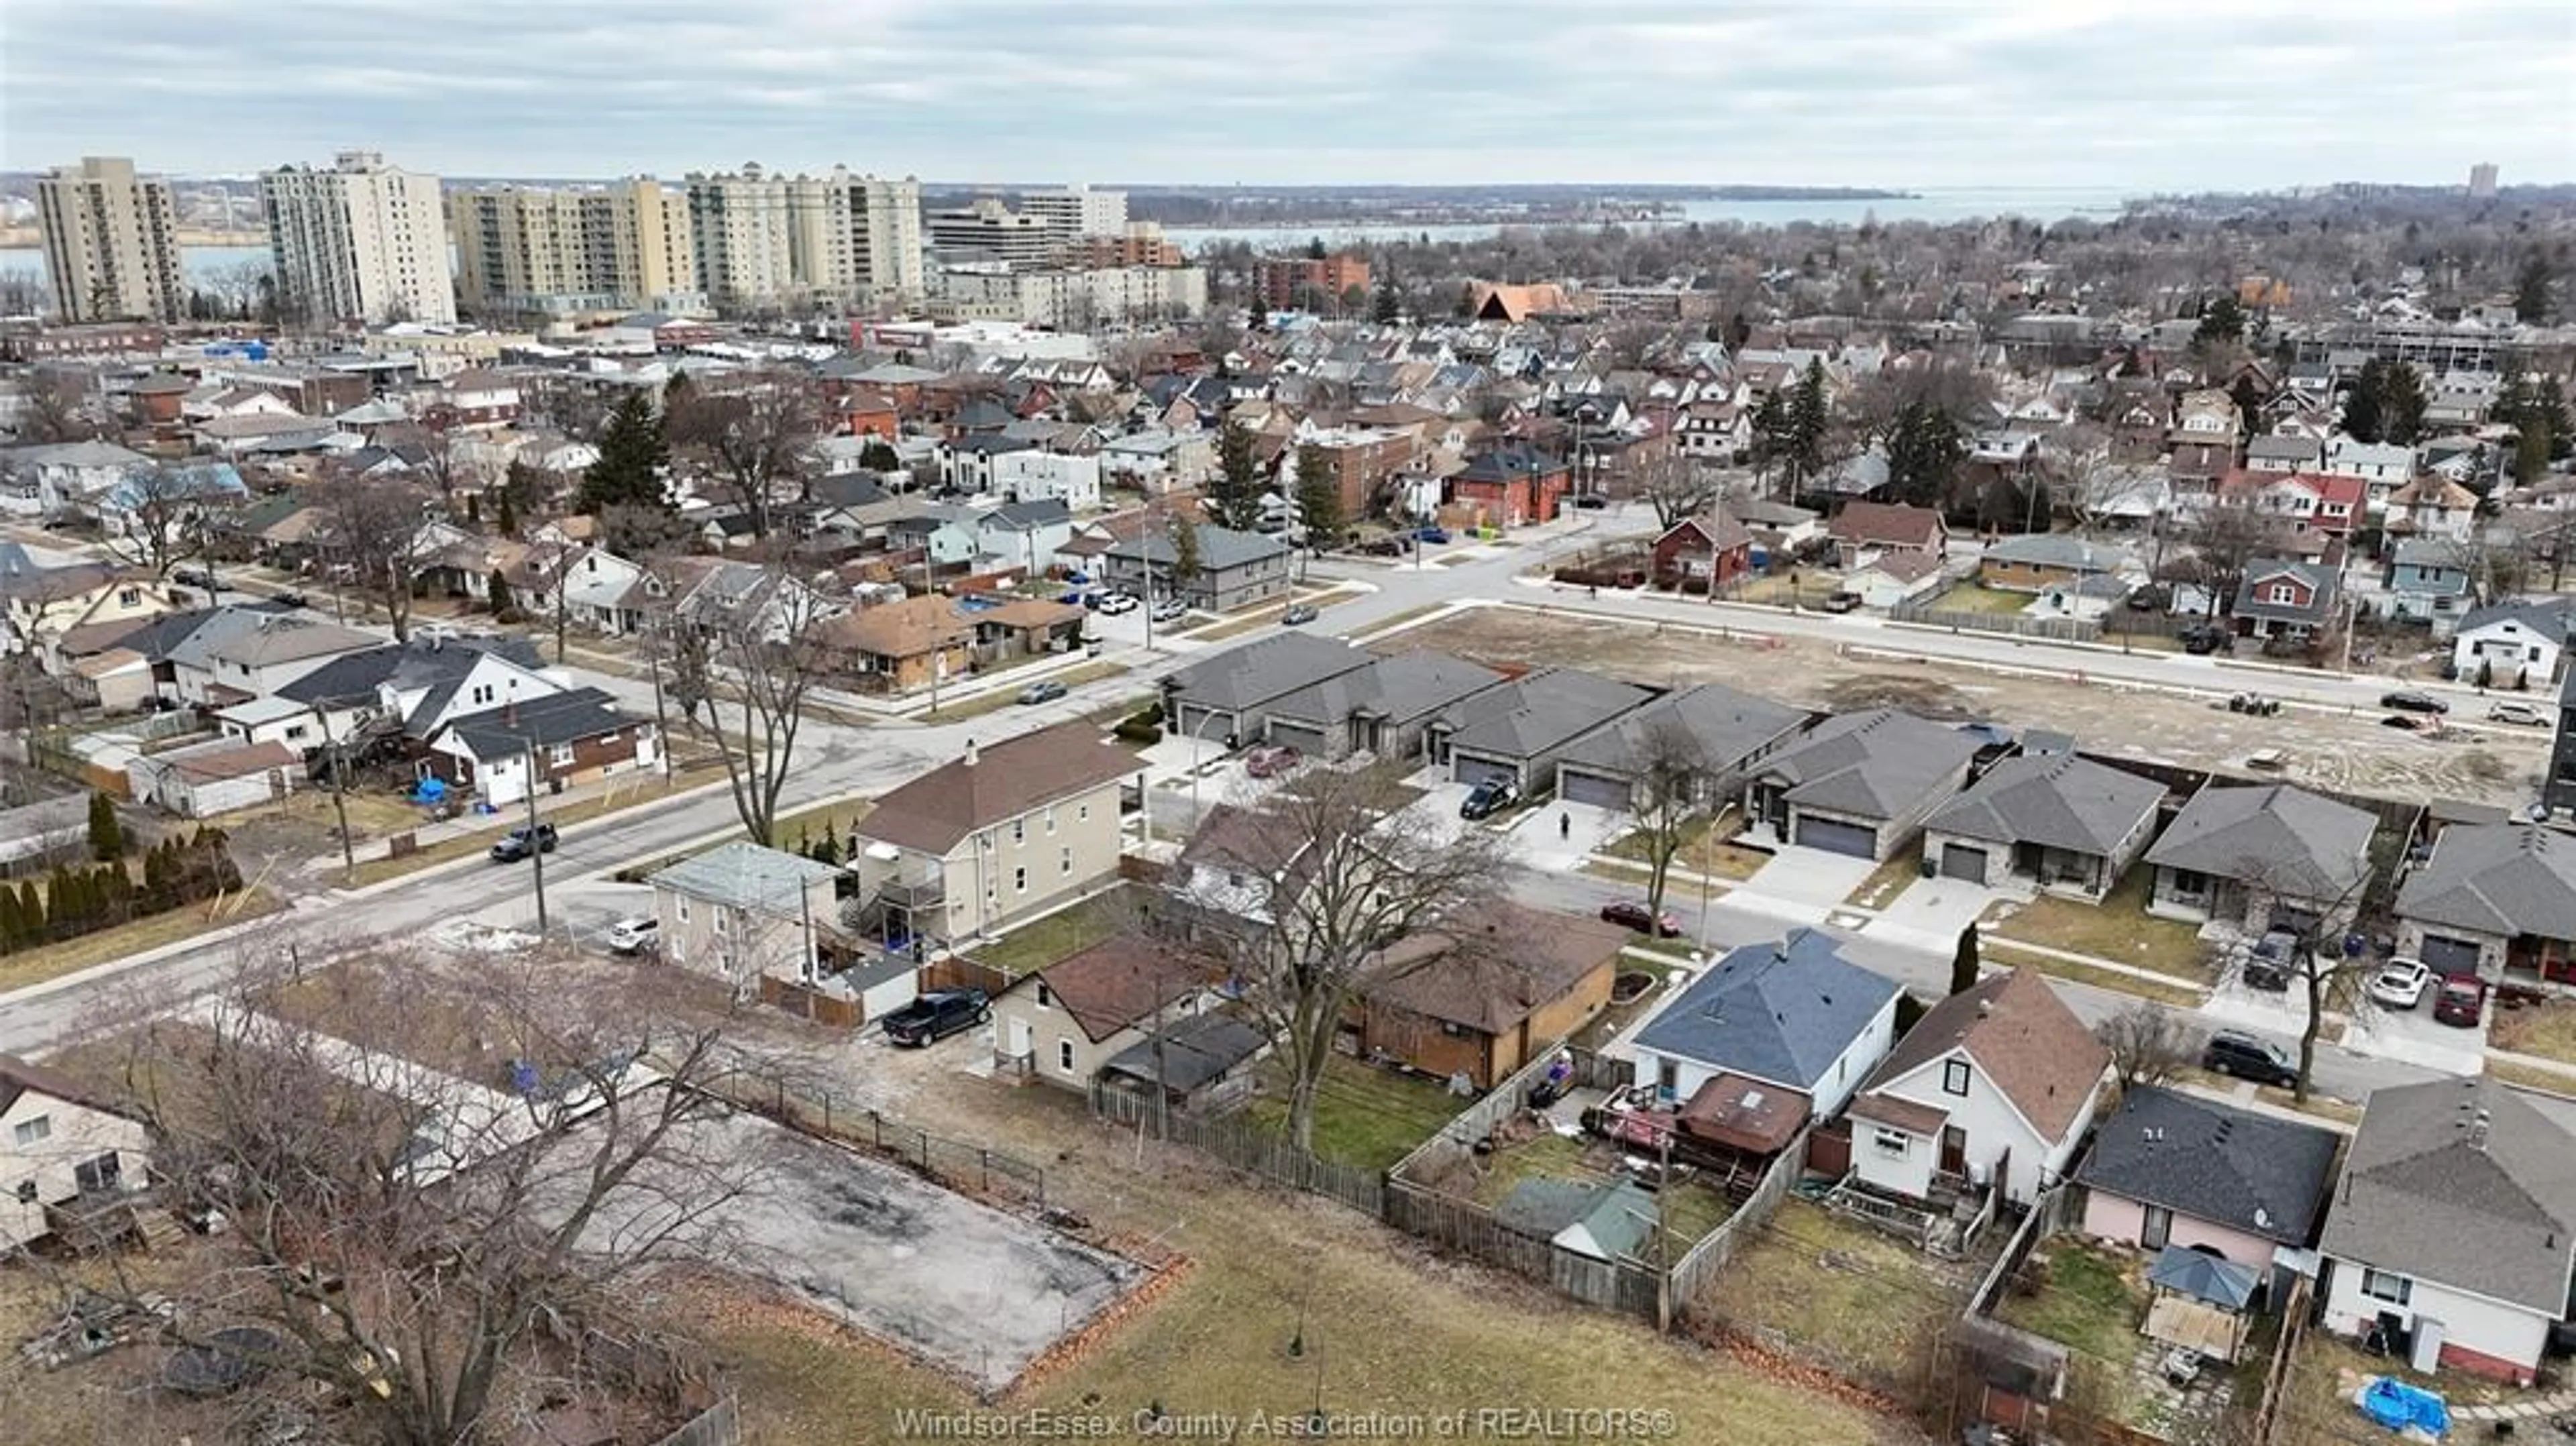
(1238, 864)
(2281, 455)
(2489, 898)
(242, 653)
(2204, 436)
(1024, 534)
(2169, 1168)
(1714, 431)
(1232, 695)
(994, 837)
(2459, 401)
(1864, 531)
(2264, 858)
(408, 689)
(479, 397)
(1860, 783)
(900, 647)
(1063, 478)
(64, 1151)
(596, 589)
(2301, 501)
(2059, 820)
(2433, 506)
(747, 600)
(571, 737)
(1512, 485)
(1382, 707)
(1476, 1001)
(2281, 598)
(1518, 729)
(2511, 644)
(1774, 1035)
(740, 911)
(53, 478)
(1777, 527)
(2428, 581)
(211, 779)
(1892, 579)
(1359, 461)
(2453, 1232)
(1236, 569)
(2383, 467)
(1996, 1084)
(1711, 733)
(1705, 554)
(2036, 562)
(38, 605)
(1202, 1062)
(1159, 462)
(1064, 1023)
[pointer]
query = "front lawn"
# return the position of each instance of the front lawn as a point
(2001, 952)
(1887, 881)
(1704, 848)
(2546, 1030)
(1038, 943)
(2088, 1300)
(1364, 1116)
(25, 968)
(1969, 597)
(2118, 929)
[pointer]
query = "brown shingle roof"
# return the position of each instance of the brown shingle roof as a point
(905, 629)
(1496, 968)
(2026, 1040)
(1119, 982)
(1905, 1115)
(18, 1077)
(934, 812)
(1888, 524)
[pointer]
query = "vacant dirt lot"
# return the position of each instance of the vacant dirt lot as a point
(2329, 749)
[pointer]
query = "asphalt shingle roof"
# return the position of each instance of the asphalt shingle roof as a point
(1539, 711)
(2022, 1035)
(2060, 800)
(1782, 1011)
(1874, 764)
(1724, 725)
(1407, 685)
(744, 875)
(2059, 549)
(2309, 847)
(2211, 1161)
(989, 786)
(1271, 668)
(2499, 878)
(1220, 548)
(566, 717)
(2429, 1190)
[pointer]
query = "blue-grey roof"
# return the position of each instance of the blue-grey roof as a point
(566, 717)
(1539, 712)
(744, 875)
(2212, 1279)
(1876, 764)
(2061, 800)
(2498, 878)
(1781, 1012)
(1220, 548)
(1724, 728)
(419, 662)
(2324, 586)
(2259, 1174)
(2302, 845)
(1259, 672)
(1403, 687)
(2551, 617)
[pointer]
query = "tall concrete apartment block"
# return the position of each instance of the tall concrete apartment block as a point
(767, 239)
(362, 241)
(1078, 211)
(532, 251)
(2482, 181)
(111, 242)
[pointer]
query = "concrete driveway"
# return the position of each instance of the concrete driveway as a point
(2415, 1037)
(1809, 876)
(1558, 837)
(1931, 913)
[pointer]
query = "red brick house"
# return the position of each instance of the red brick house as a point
(1512, 485)
(1704, 553)
(1862, 530)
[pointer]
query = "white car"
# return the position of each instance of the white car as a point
(1171, 610)
(1117, 602)
(633, 936)
(2400, 983)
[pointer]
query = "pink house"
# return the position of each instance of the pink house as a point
(2169, 1168)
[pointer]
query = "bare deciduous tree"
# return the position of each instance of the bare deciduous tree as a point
(754, 434)
(1670, 785)
(56, 406)
(2149, 1044)
(2088, 482)
(1676, 486)
(162, 519)
(2302, 912)
(752, 657)
(370, 528)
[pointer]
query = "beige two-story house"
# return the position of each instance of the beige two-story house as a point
(994, 837)
(742, 911)
(60, 1146)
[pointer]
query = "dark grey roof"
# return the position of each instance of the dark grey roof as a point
(1193, 1052)
(2214, 1279)
(418, 663)
(2550, 617)
(2309, 847)
(2284, 449)
(539, 722)
(1725, 726)
(1538, 712)
(2061, 800)
(1875, 764)
(1259, 672)
(2324, 590)
(988, 443)
(1402, 687)
(2498, 878)
(2483, 1205)
(849, 489)
(2059, 549)
(2260, 1174)
(1220, 548)
(1032, 514)
(1782, 1011)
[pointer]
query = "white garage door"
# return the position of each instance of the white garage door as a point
(1834, 836)
(1305, 739)
(1472, 770)
(1599, 790)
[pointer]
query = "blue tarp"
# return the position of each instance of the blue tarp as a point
(430, 790)
(2396, 1405)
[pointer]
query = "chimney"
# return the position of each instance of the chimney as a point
(970, 753)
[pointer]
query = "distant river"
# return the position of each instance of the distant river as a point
(203, 264)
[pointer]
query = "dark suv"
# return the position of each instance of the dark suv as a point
(2246, 1056)
(514, 844)
(937, 1015)
(1489, 798)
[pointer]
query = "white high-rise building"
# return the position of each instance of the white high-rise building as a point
(362, 241)
(111, 243)
(2482, 181)
(766, 239)
(1078, 211)
(991, 231)
(738, 221)
(528, 250)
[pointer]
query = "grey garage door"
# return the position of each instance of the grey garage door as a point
(1305, 739)
(2444, 955)
(1592, 788)
(1963, 863)
(1468, 769)
(1201, 722)
(1836, 837)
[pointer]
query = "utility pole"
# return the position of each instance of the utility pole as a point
(339, 792)
(661, 722)
(536, 845)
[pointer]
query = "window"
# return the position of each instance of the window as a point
(1050, 818)
(1064, 861)
(130, 597)
(1954, 1077)
(2380, 1285)
(1082, 813)
(1890, 1143)
(683, 903)
(296, 731)
(1019, 830)
(2282, 592)
(1064, 1056)
(1019, 881)
(562, 756)
(1046, 996)
(34, 1131)
(482, 693)
(99, 1175)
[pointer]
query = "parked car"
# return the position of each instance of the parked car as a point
(2248, 1056)
(1842, 602)
(290, 599)
(2400, 983)
(514, 845)
(1489, 798)
(2271, 962)
(634, 936)
(936, 1015)
(1271, 760)
(1431, 534)
(1382, 547)
(2405, 702)
(1299, 615)
(1170, 610)
(1590, 500)
(2526, 714)
(192, 577)
(2202, 639)
(1045, 690)
(2460, 1002)
(2410, 722)
(1632, 914)
(1114, 603)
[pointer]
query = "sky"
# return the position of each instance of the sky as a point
(1912, 94)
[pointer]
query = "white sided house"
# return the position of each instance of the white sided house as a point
(60, 1146)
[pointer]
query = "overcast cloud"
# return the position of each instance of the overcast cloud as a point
(2076, 93)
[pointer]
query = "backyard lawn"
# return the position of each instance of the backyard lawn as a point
(2118, 929)
(2089, 1302)
(1844, 1293)
(1704, 848)
(1040, 942)
(1696, 1209)
(1969, 597)
(1364, 1116)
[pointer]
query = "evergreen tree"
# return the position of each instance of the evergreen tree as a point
(504, 606)
(1236, 499)
(12, 933)
(1770, 431)
(1388, 309)
(2361, 407)
(32, 915)
(1809, 421)
(879, 456)
(2248, 398)
(831, 843)
(2222, 322)
(1319, 497)
(1257, 316)
(506, 517)
(632, 456)
(2401, 403)
(106, 836)
(1183, 532)
(156, 879)
(1315, 248)
(66, 909)
(2531, 290)
(1466, 307)
(1964, 964)
(1924, 451)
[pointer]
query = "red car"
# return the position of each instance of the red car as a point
(2463, 998)
(1271, 760)
(1633, 914)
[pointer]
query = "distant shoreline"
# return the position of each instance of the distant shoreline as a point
(28, 238)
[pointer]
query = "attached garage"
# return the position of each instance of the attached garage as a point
(1836, 837)
(1601, 790)
(1202, 722)
(1469, 769)
(2446, 955)
(1306, 738)
(1958, 861)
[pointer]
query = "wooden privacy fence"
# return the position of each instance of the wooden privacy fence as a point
(1468, 1229)
(717, 1425)
(1693, 1272)
(808, 1002)
(959, 1164)
(1245, 1146)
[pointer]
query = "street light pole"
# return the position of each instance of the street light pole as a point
(536, 844)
